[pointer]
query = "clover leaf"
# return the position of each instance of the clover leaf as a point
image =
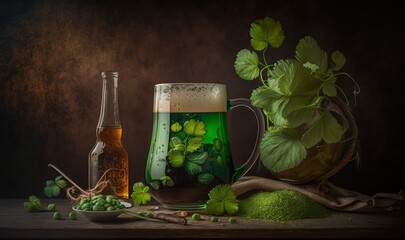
(52, 188)
(140, 194)
(33, 204)
(222, 200)
(194, 128)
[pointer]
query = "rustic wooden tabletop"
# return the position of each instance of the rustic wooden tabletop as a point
(17, 223)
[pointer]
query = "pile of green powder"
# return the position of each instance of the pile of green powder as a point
(281, 205)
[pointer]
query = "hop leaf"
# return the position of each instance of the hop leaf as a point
(222, 201)
(140, 194)
(247, 65)
(326, 128)
(281, 149)
(308, 51)
(266, 31)
(338, 60)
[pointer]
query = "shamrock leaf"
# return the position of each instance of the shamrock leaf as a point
(140, 194)
(281, 149)
(52, 188)
(176, 127)
(266, 31)
(33, 204)
(246, 65)
(194, 128)
(222, 201)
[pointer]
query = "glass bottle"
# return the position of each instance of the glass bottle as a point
(109, 154)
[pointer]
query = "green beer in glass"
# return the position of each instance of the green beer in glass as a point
(189, 151)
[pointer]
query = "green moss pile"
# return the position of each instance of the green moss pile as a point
(281, 205)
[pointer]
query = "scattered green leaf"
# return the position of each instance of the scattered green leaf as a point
(222, 200)
(33, 204)
(140, 194)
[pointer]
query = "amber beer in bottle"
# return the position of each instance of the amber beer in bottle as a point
(109, 154)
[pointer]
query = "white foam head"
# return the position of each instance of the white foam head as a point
(190, 97)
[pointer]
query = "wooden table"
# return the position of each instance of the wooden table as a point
(16, 223)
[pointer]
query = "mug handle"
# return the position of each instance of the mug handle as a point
(243, 102)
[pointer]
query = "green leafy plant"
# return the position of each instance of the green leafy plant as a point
(222, 200)
(33, 204)
(140, 194)
(293, 94)
(52, 188)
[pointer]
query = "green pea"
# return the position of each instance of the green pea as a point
(214, 219)
(86, 205)
(141, 214)
(57, 215)
(232, 220)
(109, 198)
(98, 208)
(111, 208)
(101, 202)
(72, 216)
(150, 215)
(51, 207)
(196, 216)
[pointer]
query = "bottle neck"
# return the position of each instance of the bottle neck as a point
(109, 112)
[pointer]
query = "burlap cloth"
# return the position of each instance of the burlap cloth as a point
(326, 194)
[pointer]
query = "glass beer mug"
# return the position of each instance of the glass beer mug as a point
(190, 152)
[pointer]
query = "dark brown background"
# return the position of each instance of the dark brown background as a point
(52, 53)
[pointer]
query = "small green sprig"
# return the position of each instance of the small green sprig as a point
(53, 187)
(140, 194)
